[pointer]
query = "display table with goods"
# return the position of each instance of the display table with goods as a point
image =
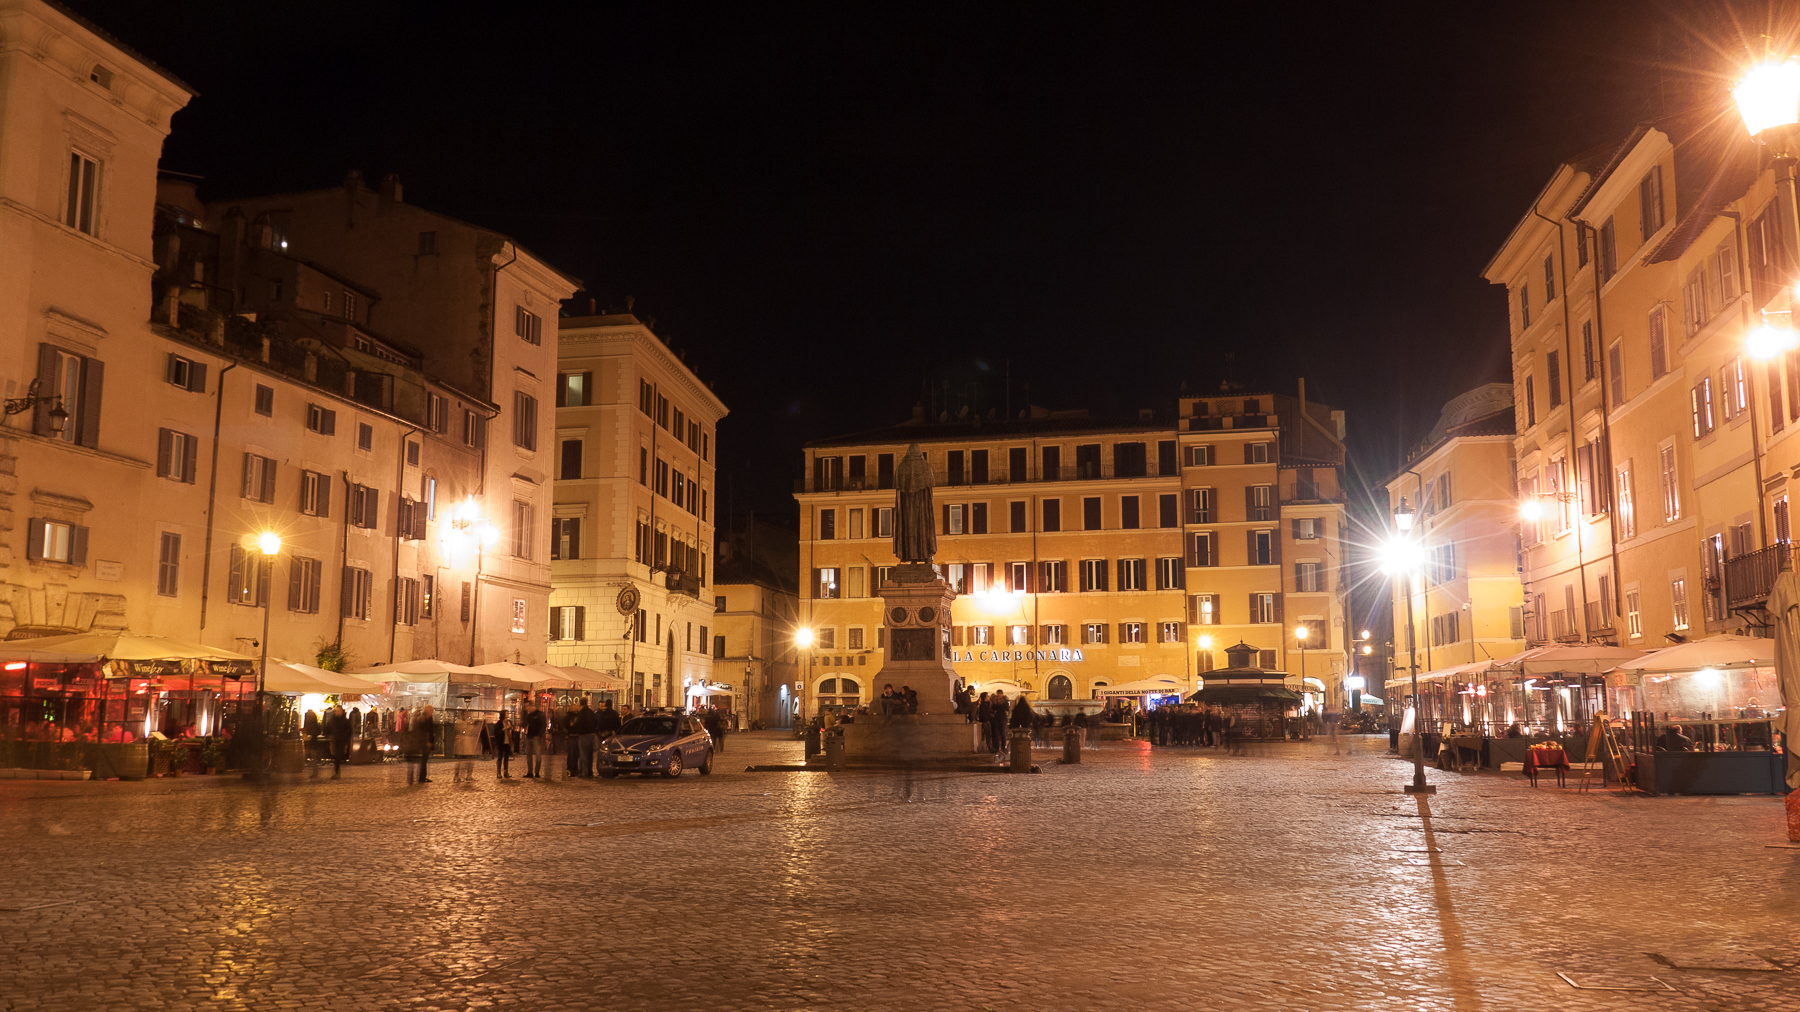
(1545, 756)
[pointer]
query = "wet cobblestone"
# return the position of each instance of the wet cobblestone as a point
(1179, 879)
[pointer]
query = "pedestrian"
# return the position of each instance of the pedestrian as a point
(889, 701)
(572, 742)
(586, 726)
(535, 725)
(998, 710)
(715, 728)
(725, 729)
(503, 737)
(911, 697)
(607, 722)
(425, 736)
(337, 734)
(1332, 719)
(983, 714)
(1022, 717)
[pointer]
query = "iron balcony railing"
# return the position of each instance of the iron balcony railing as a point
(1599, 617)
(996, 476)
(1562, 627)
(1749, 578)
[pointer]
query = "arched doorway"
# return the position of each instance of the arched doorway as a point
(1061, 687)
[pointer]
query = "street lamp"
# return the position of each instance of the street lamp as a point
(1401, 559)
(270, 544)
(803, 639)
(1301, 633)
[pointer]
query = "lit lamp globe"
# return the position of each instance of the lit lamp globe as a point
(1768, 97)
(269, 542)
(1531, 509)
(1403, 516)
(1767, 342)
(803, 638)
(1301, 633)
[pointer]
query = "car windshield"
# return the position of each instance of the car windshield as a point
(649, 725)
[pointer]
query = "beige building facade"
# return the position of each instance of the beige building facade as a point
(632, 536)
(756, 613)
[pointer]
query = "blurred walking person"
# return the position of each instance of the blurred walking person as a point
(535, 733)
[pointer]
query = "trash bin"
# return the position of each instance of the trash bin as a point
(133, 760)
(1071, 745)
(1021, 751)
(834, 750)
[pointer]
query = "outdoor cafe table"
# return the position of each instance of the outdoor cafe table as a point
(1538, 759)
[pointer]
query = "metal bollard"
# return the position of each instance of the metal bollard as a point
(1021, 751)
(1072, 744)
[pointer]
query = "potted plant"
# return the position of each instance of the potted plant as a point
(212, 754)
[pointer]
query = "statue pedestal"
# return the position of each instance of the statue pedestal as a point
(916, 613)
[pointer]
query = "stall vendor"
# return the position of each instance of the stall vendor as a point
(1672, 740)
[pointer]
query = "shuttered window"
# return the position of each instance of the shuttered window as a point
(304, 579)
(259, 478)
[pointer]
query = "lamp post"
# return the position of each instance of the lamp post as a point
(803, 639)
(270, 544)
(1301, 633)
(1401, 561)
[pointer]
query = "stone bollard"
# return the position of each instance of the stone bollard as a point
(834, 750)
(1072, 744)
(1021, 751)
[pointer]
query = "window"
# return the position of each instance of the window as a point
(1650, 201)
(1093, 574)
(1781, 518)
(1549, 278)
(523, 519)
(259, 478)
(468, 593)
(437, 413)
(662, 411)
(1589, 362)
(247, 578)
(884, 521)
(981, 577)
(571, 460)
(978, 467)
(1015, 517)
(315, 494)
(856, 588)
(1530, 401)
(953, 519)
(1131, 574)
(1309, 528)
(176, 455)
(1018, 577)
(1524, 306)
(825, 584)
(1262, 609)
(1671, 488)
(1055, 578)
(1678, 598)
(1555, 476)
(1634, 619)
(1052, 515)
(853, 637)
(1581, 246)
(1090, 513)
(1203, 550)
(518, 615)
(1200, 505)
(565, 538)
(978, 518)
(574, 389)
(1659, 340)
(1609, 251)
(1588, 492)
(828, 474)
(427, 243)
(524, 420)
(1615, 364)
(1553, 371)
(1128, 512)
(1053, 635)
(884, 575)
(646, 398)
(1205, 609)
(1199, 456)
(528, 326)
(981, 635)
(474, 428)
(1131, 632)
(1627, 507)
(1093, 632)
(168, 565)
(1256, 453)
(359, 593)
(84, 193)
(304, 579)
(1694, 310)
(188, 374)
(321, 420)
(1700, 398)
(568, 622)
(265, 400)
(1168, 510)
(1171, 574)
(1309, 577)
(1260, 502)
(77, 380)
(365, 436)
(1734, 389)
(1262, 548)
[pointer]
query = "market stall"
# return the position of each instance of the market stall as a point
(1255, 701)
(1703, 717)
(463, 699)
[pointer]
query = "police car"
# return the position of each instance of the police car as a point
(657, 743)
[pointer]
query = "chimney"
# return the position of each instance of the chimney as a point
(390, 188)
(593, 307)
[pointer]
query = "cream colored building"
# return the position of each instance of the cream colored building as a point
(1467, 600)
(1087, 553)
(756, 612)
(636, 438)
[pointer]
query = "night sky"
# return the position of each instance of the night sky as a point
(832, 209)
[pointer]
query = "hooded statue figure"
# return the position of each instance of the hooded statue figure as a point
(915, 528)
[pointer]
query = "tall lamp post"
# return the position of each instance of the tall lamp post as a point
(270, 544)
(803, 638)
(1401, 560)
(1301, 633)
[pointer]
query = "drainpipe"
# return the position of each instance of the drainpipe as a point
(1410, 631)
(344, 557)
(212, 494)
(1569, 402)
(399, 480)
(1612, 514)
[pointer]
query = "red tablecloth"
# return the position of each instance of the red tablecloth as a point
(1545, 758)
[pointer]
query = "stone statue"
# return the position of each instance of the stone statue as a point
(915, 527)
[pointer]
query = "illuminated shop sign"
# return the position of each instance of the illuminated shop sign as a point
(1065, 656)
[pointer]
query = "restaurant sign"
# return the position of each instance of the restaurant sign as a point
(1065, 656)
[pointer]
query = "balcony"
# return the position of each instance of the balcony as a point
(1749, 578)
(1563, 628)
(999, 476)
(1599, 618)
(679, 582)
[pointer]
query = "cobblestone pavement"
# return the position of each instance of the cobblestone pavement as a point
(1289, 879)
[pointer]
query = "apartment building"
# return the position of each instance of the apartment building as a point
(1085, 552)
(361, 277)
(1653, 451)
(756, 612)
(632, 531)
(1468, 602)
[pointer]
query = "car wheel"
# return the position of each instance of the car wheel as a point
(608, 774)
(674, 769)
(706, 763)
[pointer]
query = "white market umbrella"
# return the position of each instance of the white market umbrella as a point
(430, 672)
(1784, 605)
(587, 678)
(94, 647)
(1576, 660)
(1010, 688)
(1721, 653)
(291, 678)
